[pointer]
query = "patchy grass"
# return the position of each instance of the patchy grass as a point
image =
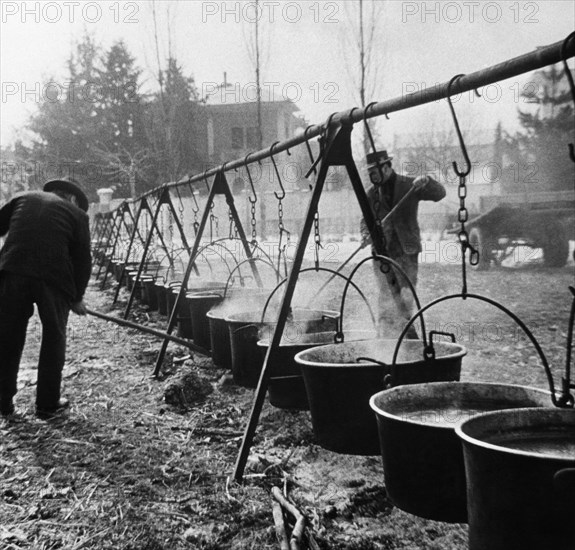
(124, 471)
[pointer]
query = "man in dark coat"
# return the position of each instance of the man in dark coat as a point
(45, 261)
(400, 231)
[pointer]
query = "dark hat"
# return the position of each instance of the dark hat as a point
(378, 157)
(68, 185)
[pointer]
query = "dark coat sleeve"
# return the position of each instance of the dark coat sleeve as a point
(432, 191)
(5, 215)
(81, 257)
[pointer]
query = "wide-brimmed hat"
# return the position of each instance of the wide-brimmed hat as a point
(378, 157)
(68, 185)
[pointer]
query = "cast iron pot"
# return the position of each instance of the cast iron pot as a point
(163, 292)
(286, 388)
(203, 301)
(341, 378)
(520, 468)
(218, 326)
(200, 304)
(115, 267)
(131, 271)
(147, 292)
(219, 338)
(172, 289)
(246, 329)
(422, 457)
(185, 322)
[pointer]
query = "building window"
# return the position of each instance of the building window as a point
(252, 137)
(237, 138)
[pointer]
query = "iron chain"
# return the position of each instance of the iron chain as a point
(317, 239)
(280, 215)
(463, 216)
(214, 226)
(253, 222)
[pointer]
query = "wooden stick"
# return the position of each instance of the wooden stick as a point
(313, 545)
(149, 330)
(280, 525)
(296, 535)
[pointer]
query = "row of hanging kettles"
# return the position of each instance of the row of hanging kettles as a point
(508, 472)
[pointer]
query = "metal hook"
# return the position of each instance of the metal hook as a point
(372, 142)
(369, 134)
(255, 199)
(322, 138)
(460, 137)
(197, 208)
(571, 83)
(206, 179)
(309, 151)
(351, 113)
(278, 197)
(181, 205)
(328, 122)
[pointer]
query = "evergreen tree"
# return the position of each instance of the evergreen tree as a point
(94, 130)
(67, 121)
(539, 151)
(103, 131)
(172, 118)
(122, 147)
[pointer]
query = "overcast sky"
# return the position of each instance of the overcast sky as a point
(421, 43)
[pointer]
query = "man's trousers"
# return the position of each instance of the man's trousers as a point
(18, 294)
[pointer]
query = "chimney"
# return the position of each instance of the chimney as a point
(225, 80)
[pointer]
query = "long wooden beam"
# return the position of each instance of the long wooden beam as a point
(541, 57)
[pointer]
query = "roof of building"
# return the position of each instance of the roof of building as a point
(241, 94)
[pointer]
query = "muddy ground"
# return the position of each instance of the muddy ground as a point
(123, 470)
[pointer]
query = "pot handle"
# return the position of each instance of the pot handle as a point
(563, 400)
(339, 335)
(386, 378)
(371, 360)
(429, 351)
(331, 317)
(251, 325)
(175, 253)
(564, 482)
(389, 262)
(238, 266)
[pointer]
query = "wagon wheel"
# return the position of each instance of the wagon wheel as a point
(479, 241)
(556, 246)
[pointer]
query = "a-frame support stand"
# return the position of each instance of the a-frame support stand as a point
(219, 186)
(122, 211)
(336, 151)
(143, 205)
(163, 199)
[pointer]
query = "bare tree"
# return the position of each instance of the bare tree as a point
(254, 37)
(125, 165)
(363, 52)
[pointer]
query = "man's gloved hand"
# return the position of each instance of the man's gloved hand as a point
(79, 308)
(420, 182)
